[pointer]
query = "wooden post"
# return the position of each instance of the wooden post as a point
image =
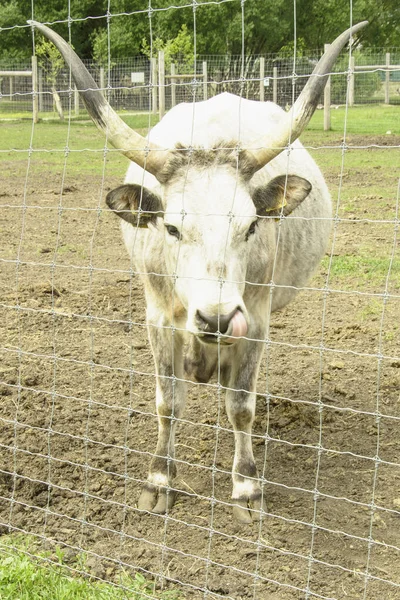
(275, 85)
(11, 89)
(40, 87)
(262, 76)
(76, 101)
(205, 78)
(161, 83)
(173, 86)
(102, 80)
(352, 80)
(154, 94)
(35, 103)
(327, 100)
(387, 78)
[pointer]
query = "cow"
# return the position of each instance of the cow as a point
(226, 217)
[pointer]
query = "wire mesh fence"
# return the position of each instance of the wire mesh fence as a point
(128, 83)
(78, 383)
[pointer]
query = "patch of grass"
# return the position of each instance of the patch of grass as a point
(370, 119)
(360, 268)
(50, 143)
(28, 573)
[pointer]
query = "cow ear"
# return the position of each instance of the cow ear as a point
(135, 204)
(281, 195)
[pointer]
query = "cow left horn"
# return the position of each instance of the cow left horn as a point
(134, 146)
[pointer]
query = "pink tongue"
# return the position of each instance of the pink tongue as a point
(238, 324)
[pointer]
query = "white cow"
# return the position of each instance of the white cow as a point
(226, 216)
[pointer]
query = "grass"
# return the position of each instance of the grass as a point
(28, 573)
(375, 119)
(53, 141)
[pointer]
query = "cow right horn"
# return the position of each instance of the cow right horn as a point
(296, 120)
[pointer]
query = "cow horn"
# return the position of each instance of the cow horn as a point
(303, 109)
(134, 146)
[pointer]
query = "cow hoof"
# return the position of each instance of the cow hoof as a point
(248, 511)
(155, 499)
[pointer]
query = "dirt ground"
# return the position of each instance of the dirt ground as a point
(78, 422)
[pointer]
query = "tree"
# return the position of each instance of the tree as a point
(51, 61)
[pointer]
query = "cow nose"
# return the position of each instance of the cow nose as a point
(214, 323)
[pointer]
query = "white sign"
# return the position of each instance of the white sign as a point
(137, 77)
(266, 81)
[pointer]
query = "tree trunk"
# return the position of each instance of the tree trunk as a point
(57, 102)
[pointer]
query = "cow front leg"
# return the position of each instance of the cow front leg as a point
(158, 495)
(240, 405)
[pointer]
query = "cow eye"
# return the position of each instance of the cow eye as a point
(174, 231)
(251, 230)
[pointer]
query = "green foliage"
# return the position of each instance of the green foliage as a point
(29, 573)
(49, 58)
(179, 48)
(289, 48)
(219, 26)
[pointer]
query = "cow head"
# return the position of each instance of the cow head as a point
(211, 217)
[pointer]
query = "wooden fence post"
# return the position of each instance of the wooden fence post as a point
(205, 77)
(352, 80)
(40, 89)
(387, 78)
(102, 80)
(161, 83)
(35, 99)
(262, 77)
(76, 101)
(173, 86)
(154, 94)
(327, 100)
(275, 85)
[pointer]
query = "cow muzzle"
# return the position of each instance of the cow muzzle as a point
(225, 329)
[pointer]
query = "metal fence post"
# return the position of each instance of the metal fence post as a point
(327, 99)
(161, 83)
(387, 78)
(262, 76)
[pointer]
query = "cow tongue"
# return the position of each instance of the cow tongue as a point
(238, 325)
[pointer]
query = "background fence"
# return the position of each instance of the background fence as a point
(375, 76)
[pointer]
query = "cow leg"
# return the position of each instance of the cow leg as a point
(240, 406)
(157, 495)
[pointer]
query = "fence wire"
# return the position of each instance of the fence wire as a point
(77, 380)
(127, 81)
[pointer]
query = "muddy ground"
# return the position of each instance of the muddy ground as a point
(78, 423)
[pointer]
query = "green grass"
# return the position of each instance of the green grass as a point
(28, 573)
(50, 139)
(375, 119)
